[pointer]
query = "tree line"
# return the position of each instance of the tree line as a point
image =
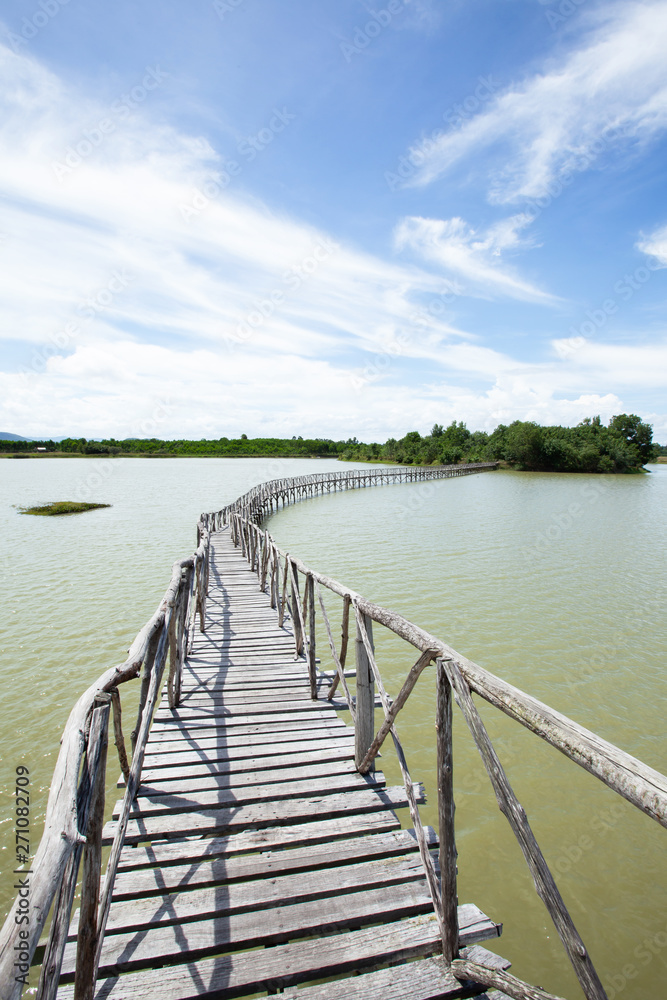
(625, 444)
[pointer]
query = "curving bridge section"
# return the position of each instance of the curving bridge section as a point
(256, 846)
(265, 498)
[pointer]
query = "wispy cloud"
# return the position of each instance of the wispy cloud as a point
(244, 319)
(655, 245)
(609, 94)
(473, 255)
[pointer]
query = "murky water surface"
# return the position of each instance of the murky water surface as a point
(555, 583)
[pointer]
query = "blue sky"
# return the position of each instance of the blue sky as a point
(330, 219)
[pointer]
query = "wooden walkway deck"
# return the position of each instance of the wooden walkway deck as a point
(256, 857)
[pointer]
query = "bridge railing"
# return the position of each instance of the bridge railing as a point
(76, 802)
(75, 808)
(260, 500)
(296, 589)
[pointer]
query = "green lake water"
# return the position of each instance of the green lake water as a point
(555, 583)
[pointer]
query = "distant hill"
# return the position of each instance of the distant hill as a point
(4, 436)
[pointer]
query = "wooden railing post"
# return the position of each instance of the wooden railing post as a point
(86, 946)
(445, 778)
(94, 774)
(295, 609)
(364, 729)
(312, 671)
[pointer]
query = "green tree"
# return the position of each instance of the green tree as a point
(635, 433)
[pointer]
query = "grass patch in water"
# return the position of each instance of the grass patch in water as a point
(59, 507)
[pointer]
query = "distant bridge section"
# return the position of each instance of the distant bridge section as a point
(268, 497)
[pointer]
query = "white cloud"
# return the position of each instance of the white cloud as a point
(609, 94)
(655, 245)
(136, 320)
(473, 255)
(217, 266)
(621, 365)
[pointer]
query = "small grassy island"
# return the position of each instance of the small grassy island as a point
(60, 507)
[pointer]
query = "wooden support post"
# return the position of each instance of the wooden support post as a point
(312, 672)
(119, 739)
(510, 985)
(265, 560)
(145, 685)
(384, 730)
(445, 778)
(283, 595)
(364, 728)
(94, 771)
(344, 632)
(86, 945)
(295, 609)
(514, 812)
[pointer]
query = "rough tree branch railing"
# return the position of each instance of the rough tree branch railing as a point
(641, 785)
(267, 497)
(75, 808)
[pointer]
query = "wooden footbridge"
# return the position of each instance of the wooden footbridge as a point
(256, 848)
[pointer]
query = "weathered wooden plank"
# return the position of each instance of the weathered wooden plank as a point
(292, 729)
(245, 756)
(309, 716)
(286, 965)
(234, 681)
(163, 803)
(205, 821)
(195, 775)
(278, 838)
(252, 738)
(204, 903)
(424, 979)
(268, 864)
(230, 709)
(196, 939)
